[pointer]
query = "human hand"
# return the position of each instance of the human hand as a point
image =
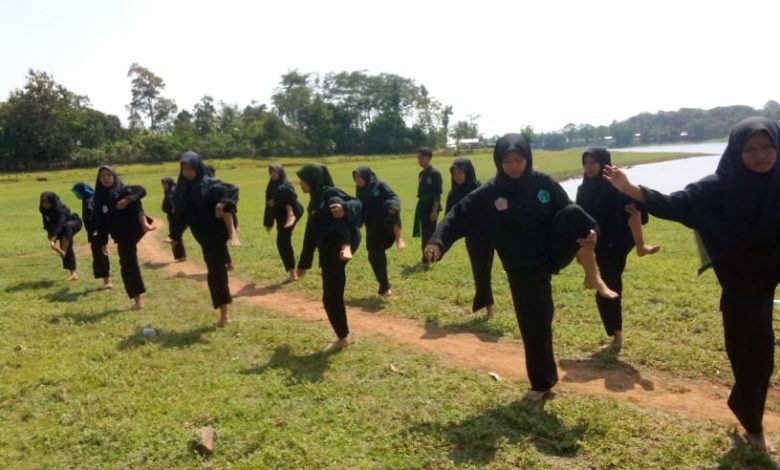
(122, 203)
(589, 241)
(219, 210)
(432, 252)
(104, 250)
(616, 177)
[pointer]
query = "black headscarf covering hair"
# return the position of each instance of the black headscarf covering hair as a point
(512, 143)
(753, 190)
(371, 180)
(169, 183)
(273, 187)
(202, 177)
(594, 192)
(82, 190)
(107, 196)
(318, 178)
(459, 191)
(52, 199)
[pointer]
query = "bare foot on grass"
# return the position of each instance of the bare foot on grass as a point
(337, 345)
(647, 250)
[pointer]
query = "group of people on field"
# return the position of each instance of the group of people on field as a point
(521, 214)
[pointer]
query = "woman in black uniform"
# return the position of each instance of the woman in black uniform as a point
(101, 267)
(60, 224)
(737, 214)
(480, 249)
(282, 206)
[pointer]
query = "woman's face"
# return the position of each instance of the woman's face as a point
(359, 181)
(45, 203)
(106, 178)
(759, 153)
(590, 166)
(304, 187)
(458, 175)
(188, 172)
(514, 165)
(274, 174)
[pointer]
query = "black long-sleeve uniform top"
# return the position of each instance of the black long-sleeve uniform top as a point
(282, 195)
(322, 229)
(122, 224)
(196, 210)
(519, 222)
(54, 219)
(377, 203)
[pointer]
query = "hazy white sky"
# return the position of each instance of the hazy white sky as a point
(544, 63)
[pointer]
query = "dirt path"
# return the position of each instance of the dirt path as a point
(661, 391)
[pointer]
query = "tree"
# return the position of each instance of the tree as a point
(528, 133)
(147, 102)
(292, 97)
(205, 115)
(45, 122)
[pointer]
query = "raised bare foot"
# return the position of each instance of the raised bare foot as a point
(59, 251)
(337, 345)
(400, 244)
(346, 253)
(289, 222)
(234, 241)
(759, 443)
(647, 250)
(601, 288)
(168, 240)
(74, 276)
(535, 395)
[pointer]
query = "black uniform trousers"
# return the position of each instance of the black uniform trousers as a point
(334, 279)
(284, 245)
(611, 262)
(378, 239)
(131, 272)
(215, 254)
(532, 296)
(69, 228)
(481, 253)
(747, 326)
(179, 252)
(101, 267)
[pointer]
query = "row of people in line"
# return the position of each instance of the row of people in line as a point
(527, 218)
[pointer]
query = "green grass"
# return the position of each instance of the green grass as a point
(82, 389)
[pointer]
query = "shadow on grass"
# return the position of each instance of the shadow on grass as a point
(83, 318)
(157, 264)
(255, 290)
(479, 327)
(742, 456)
(617, 375)
(475, 439)
(29, 285)
(66, 295)
(412, 269)
(168, 339)
(200, 277)
(304, 368)
(373, 304)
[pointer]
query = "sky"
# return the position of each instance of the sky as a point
(542, 63)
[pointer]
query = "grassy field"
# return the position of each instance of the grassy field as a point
(82, 389)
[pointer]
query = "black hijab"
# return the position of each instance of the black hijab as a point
(512, 143)
(107, 196)
(748, 192)
(194, 187)
(459, 191)
(594, 193)
(53, 200)
(318, 178)
(282, 183)
(371, 183)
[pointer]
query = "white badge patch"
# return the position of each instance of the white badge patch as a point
(105, 209)
(501, 204)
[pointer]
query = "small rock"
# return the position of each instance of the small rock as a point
(206, 436)
(393, 368)
(495, 376)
